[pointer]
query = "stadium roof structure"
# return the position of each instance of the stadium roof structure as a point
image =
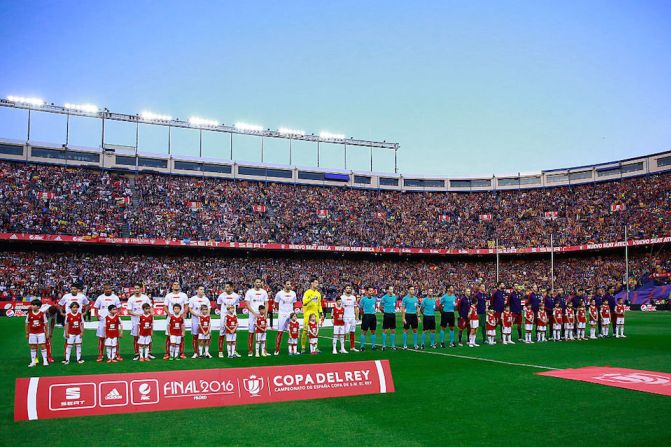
(194, 123)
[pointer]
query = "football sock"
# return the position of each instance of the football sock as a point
(405, 339)
(393, 339)
(414, 338)
(384, 339)
(373, 339)
(68, 351)
(442, 335)
(33, 355)
(451, 335)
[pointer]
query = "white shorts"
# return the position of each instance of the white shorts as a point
(528, 327)
(251, 323)
(491, 333)
(37, 339)
(231, 337)
(556, 327)
(506, 330)
(313, 341)
(74, 339)
(475, 324)
(540, 328)
(568, 327)
(261, 337)
(350, 325)
(203, 336)
(619, 320)
(111, 342)
(593, 322)
(100, 330)
(144, 340)
(134, 328)
(293, 341)
(605, 322)
(581, 325)
(338, 330)
(283, 322)
(175, 339)
(195, 328)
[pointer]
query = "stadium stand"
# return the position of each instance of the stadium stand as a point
(49, 199)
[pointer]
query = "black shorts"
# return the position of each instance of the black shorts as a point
(447, 319)
(389, 321)
(429, 323)
(368, 322)
(410, 321)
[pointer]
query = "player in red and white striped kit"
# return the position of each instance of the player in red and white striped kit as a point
(294, 332)
(490, 326)
(73, 328)
(285, 302)
(507, 326)
(261, 325)
(593, 320)
(581, 319)
(36, 322)
(175, 296)
(619, 319)
(135, 305)
(113, 331)
(175, 331)
(145, 331)
(541, 323)
(226, 299)
(338, 315)
(204, 331)
(557, 320)
(528, 322)
(230, 327)
(569, 322)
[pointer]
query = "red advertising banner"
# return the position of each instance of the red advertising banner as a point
(91, 395)
(64, 238)
(485, 217)
(631, 379)
(259, 208)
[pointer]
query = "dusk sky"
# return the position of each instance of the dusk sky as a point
(466, 87)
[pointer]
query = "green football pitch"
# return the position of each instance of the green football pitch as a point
(444, 397)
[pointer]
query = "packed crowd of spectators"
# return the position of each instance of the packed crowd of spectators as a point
(78, 201)
(49, 274)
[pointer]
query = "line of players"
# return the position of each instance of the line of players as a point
(40, 321)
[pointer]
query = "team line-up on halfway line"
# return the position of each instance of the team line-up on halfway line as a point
(565, 320)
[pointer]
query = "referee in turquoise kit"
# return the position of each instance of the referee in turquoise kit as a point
(368, 321)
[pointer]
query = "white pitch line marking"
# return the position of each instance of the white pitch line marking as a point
(467, 357)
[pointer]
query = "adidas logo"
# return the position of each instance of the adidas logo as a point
(113, 395)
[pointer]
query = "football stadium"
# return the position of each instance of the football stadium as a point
(173, 272)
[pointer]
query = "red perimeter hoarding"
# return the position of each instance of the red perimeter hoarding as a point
(90, 395)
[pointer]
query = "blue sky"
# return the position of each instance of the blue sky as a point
(466, 87)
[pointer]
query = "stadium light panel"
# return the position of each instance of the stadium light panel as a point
(90, 108)
(29, 101)
(331, 136)
(287, 131)
(249, 127)
(202, 122)
(149, 116)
